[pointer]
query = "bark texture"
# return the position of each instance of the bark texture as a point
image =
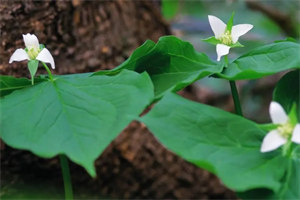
(82, 36)
(89, 36)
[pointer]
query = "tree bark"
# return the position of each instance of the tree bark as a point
(82, 36)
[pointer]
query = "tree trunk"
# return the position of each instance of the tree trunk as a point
(89, 36)
(82, 36)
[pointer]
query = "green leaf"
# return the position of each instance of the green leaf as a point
(223, 143)
(32, 66)
(237, 44)
(230, 23)
(42, 46)
(79, 75)
(291, 184)
(268, 127)
(263, 61)
(77, 117)
(212, 40)
(9, 84)
(286, 91)
(171, 63)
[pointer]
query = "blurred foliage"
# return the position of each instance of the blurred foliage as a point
(169, 8)
(191, 23)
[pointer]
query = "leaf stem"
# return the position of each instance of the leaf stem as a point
(235, 96)
(287, 178)
(287, 149)
(48, 70)
(66, 176)
(234, 93)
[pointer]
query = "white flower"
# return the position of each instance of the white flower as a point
(32, 51)
(226, 36)
(285, 131)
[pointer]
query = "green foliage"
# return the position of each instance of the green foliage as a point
(212, 40)
(225, 144)
(171, 63)
(8, 84)
(77, 117)
(169, 8)
(291, 184)
(263, 61)
(287, 91)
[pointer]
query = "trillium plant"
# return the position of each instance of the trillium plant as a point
(75, 117)
(226, 35)
(33, 52)
(288, 130)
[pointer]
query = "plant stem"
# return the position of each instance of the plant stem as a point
(287, 149)
(48, 70)
(234, 93)
(66, 176)
(235, 96)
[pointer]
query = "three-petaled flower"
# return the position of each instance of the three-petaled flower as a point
(285, 131)
(226, 35)
(33, 51)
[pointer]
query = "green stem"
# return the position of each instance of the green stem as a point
(287, 149)
(234, 93)
(48, 70)
(66, 176)
(235, 96)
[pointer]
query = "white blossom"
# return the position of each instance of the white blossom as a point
(226, 38)
(284, 132)
(32, 51)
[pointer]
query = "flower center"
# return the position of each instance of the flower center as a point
(285, 130)
(226, 38)
(33, 52)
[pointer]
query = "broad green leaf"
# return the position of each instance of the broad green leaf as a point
(291, 184)
(263, 61)
(223, 143)
(286, 91)
(9, 83)
(77, 117)
(33, 66)
(79, 75)
(171, 63)
(290, 188)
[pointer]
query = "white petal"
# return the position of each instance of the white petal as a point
(239, 30)
(19, 55)
(272, 141)
(277, 113)
(31, 41)
(217, 25)
(222, 50)
(45, 56)
(296, 134)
